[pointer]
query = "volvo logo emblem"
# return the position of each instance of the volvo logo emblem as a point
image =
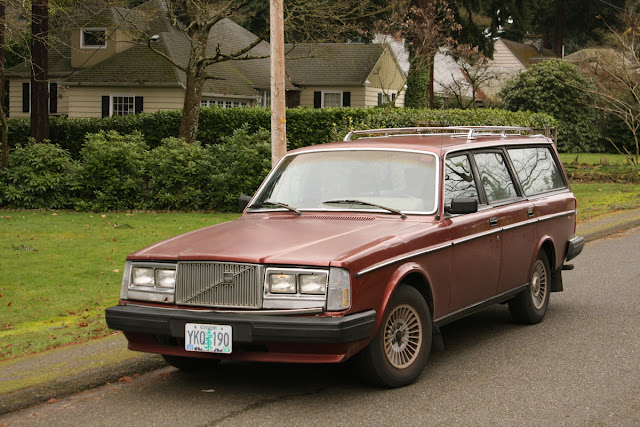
(227, 278)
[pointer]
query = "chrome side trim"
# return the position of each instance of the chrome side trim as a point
(402, 258)
(476, 236)
(460, 241)
(557, 215)
(256, 312)
(520, 224)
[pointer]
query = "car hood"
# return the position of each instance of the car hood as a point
(308, 239)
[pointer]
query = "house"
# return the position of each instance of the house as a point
(344, 75)
(107, 69)
(509, 59)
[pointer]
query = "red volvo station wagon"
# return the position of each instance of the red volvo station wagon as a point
(361, 249)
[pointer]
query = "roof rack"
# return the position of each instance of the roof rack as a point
(470, 132)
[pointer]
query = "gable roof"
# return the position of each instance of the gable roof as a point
(526, 54)
(331, 63)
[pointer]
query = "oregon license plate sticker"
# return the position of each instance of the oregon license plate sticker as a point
(207, 338)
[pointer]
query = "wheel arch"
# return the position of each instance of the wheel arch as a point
(549, 248)
(413, 275)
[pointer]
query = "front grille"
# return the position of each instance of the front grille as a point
(205, 284)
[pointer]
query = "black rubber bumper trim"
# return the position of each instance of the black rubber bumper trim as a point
(576, 244)
(246, 327)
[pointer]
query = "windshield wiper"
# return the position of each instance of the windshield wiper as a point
(360, 202)
(281, 205)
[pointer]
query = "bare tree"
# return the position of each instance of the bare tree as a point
(615, 72)
(474, 76)
(428, 26)
(3, 115)
(40, 70)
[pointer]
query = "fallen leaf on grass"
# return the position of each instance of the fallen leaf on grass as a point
(53, 399)
(125, 379)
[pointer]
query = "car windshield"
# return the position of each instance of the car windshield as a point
(380, 180)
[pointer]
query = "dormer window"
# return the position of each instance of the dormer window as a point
(93, 38)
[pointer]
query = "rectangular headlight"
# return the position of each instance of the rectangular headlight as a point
(142, 276)
(282, 283)
(165, 279)
(315, 284)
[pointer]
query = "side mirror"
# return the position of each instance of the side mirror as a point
(463, 205)
(243, 202)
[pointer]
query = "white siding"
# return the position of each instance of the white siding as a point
(87, 102)
(504, 58)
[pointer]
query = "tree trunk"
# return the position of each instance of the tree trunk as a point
(558, 39)
(3, 118)
(191, 106)
(193, 89)
(432, 61)
(39, 70)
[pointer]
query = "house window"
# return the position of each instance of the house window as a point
(53, 98)
(331, 99)
(265, 101)
(122, 105)
(386, 98)
(207, 102)
(93, 38)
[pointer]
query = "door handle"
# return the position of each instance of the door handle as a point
(530, 213)
(493, 222)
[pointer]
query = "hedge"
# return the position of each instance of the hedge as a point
(305, 126)
(126, 168)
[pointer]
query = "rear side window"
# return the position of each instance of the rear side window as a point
(536, 169)
(458, 179)
(495, 177)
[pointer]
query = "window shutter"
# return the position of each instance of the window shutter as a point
(53, 98)
(26, 97)
(346, 99)
(379, 99)
(317, 99)
(139, 104)
(105, 106)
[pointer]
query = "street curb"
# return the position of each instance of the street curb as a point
(31, 396)
(611, 229)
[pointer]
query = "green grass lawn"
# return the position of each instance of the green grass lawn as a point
(596, 199)
(60, 270)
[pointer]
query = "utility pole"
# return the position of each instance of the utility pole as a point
(278, 106)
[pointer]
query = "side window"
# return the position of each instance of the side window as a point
(495, 177)
(458, 179)
(536, 169)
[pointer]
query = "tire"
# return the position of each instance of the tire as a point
(191, 364)
(531, 305)
(397, 354)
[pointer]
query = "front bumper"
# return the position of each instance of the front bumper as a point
(247, 328)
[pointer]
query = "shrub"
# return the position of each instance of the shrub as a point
(112, 172)
(38, 176)
(305, 126)
(555, 87)
(241, 163)
(178, 175)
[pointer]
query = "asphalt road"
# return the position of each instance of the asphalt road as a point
(581, 366)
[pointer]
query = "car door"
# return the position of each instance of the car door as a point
(515, 216)
(475, 255)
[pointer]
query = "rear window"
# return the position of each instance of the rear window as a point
(536, 169)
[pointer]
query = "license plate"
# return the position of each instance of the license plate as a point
(207, 338)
